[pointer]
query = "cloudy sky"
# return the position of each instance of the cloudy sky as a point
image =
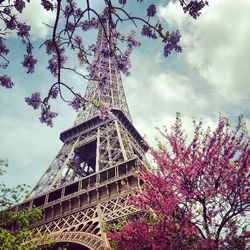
(211, 76)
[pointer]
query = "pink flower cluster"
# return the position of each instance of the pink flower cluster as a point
(199, 193)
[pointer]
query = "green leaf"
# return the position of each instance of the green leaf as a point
(100, 104)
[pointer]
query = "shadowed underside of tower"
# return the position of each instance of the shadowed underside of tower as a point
(87, 183)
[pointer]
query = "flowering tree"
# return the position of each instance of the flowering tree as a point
(198, 194)
(72, 18)
(14, 224)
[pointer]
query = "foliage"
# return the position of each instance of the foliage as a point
(198, 193)
(14, 228)
(10, 196)
(14, 224)
(73, 19)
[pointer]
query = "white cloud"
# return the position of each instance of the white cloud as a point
(208, 78)
(217, 45)
(171, 88)
(156, 97)
(172, 13)
(35, 15)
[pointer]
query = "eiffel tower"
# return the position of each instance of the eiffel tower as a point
(87, 184)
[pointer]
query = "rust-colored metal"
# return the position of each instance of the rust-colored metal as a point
(87, 184)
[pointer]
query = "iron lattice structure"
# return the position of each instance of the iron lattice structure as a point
(87, 183)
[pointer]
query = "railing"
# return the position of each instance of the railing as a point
(85, 184)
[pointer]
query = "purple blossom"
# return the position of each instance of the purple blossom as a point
(54, 65)
(29, 63)
(10, 23)
(123, 64)
(29, 48)
(194, 8)
(148, 32)
(151, 10)
(63, 58)
(106, 52)
(123, 2)
(92, 24)
(78, 13)
(132, 40)
(103, 81)
(78, 41)
(24, 30)
(131, 43)
(3, 49)
(105, 112)
(76, 103)
(7, 11)
(69, 8)
(54, 92)
(19, 5)
(47, 116)
(92, 49)
(34, 101)
(50, 47)
(93, 68)
(70, 27)
(6, 82)
(117, 34)
(47, 5)
(172, 43)
(81, 55)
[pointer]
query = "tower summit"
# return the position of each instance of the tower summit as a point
(105, 67)
(87, 183)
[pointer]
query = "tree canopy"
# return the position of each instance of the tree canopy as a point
(14, 225)
(197, 195)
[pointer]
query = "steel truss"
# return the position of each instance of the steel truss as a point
(87, 184)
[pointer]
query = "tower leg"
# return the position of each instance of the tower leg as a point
(103, 234)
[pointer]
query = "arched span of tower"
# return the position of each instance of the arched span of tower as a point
(66, 245)
(85, 241)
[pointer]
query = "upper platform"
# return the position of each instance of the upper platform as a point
(96, 122)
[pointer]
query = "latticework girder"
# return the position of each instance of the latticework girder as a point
(112, 94)
(102, 147)
(87, 184)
